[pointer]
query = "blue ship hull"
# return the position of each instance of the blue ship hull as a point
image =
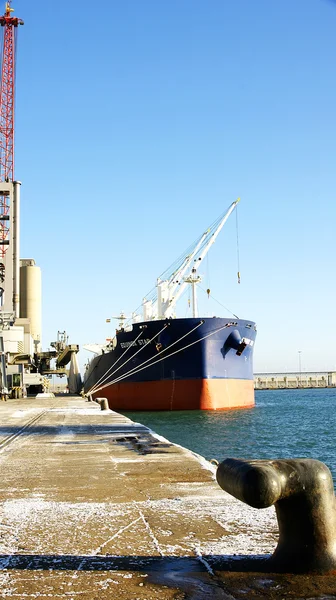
(177, 364)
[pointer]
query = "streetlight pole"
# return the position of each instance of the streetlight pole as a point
(299, 353)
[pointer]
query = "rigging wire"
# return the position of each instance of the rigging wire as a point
(189, 300)
(215, 299)
(208, 276)
(237, 234)
(177, 264)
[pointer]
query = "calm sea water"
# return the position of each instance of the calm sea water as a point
(283, 424)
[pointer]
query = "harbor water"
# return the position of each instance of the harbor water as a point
(283, 424)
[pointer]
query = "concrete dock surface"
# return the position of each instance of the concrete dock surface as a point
(94, 506)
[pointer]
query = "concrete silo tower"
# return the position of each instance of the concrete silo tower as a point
(31, 298)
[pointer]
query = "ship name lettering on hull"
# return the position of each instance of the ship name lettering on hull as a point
(134, 343)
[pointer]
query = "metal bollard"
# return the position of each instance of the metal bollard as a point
(303, 494)
(103, 403)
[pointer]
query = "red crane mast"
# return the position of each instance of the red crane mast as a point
(9, 23)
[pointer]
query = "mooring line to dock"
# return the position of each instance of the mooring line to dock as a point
(104, 377)
(138, 369)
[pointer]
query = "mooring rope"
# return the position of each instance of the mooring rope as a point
(111, 367)
(159, 353)
(138, 369)
(92, 390)
(152, 357)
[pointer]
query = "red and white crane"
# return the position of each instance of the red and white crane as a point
(9, 189)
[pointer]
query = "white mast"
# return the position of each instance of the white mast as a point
(193, 279)
(121, 318)
(166, 289)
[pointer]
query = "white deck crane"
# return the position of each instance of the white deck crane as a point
(171, 289)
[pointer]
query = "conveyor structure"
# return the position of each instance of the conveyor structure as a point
(64, 356)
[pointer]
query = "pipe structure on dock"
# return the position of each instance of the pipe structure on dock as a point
(302, 492)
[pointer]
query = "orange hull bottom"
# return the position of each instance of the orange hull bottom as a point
(193, 394)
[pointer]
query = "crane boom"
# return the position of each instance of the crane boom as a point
(171, 289)
(197, 262)
(177, 276)
(216, 232)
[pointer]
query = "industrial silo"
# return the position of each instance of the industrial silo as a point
(31, 298)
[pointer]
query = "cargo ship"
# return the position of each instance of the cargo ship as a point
(160, 362)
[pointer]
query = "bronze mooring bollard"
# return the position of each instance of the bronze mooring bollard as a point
(103, 403)
(303, 494)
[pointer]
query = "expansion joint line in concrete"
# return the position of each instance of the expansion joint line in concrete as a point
(202, 560)
(121, 530)
(99, 549)
(151, 533)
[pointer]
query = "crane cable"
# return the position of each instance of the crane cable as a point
(237, 234)
(208, 277)
(208, 292)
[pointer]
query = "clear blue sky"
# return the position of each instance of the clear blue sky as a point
(138, 123)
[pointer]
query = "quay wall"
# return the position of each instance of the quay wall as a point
(271, 381)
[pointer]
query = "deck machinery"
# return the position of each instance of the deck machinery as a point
(22, 364)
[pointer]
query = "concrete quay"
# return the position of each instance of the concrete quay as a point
(305, 380)
(93, 505)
